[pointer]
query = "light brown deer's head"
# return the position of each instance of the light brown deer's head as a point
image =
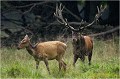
(24, 43)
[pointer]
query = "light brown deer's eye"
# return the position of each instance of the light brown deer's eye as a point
(23, 41)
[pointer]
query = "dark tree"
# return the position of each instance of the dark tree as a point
(113, 18)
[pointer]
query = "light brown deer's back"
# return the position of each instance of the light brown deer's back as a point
(50, 49)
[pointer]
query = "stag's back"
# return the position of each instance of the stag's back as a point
(50, 49)
(88, 43)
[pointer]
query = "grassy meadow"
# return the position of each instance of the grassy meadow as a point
(105, 63)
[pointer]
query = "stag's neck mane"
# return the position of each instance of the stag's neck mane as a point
(30, 48)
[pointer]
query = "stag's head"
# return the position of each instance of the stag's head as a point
(24, 43)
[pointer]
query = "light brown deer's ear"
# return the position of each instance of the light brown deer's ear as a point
(26, 37)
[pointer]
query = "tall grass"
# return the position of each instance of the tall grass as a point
(105, 63)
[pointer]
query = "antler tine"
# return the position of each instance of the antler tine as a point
(98, 9)
(104, 8)
(82, 22)
(57, 14)
(60, 6)
(101, 7)
(99, 12)
(56, 9)
(69, 26)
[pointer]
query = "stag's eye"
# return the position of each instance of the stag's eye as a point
(74, 40)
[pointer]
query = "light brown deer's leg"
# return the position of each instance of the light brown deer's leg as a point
(59, 61)
(64, 65)
(37, 64)
(60, 65)
(46, 63)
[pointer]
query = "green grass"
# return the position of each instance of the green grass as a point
(105, 63)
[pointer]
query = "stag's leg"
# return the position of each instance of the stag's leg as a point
(89, 57)
(46, 63)
(75, 59)
(82, 57)
(37, 64)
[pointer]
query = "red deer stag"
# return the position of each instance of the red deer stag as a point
(45, 51)
(82, 45)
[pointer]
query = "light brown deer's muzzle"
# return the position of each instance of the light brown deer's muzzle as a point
(18, 48)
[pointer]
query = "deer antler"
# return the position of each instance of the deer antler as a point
(100, 11)
(61, 20)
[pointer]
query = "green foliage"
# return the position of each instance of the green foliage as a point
(105, 63)
(81, 2)
(104, 2)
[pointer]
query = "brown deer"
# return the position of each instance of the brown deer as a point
(45, 51)
(82, 45)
